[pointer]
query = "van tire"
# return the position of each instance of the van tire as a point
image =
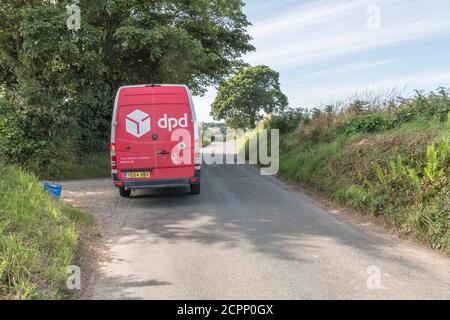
(195, 188)
(125, 193)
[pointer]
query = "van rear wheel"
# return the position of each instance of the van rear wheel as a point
(195, 188)
(125, 193)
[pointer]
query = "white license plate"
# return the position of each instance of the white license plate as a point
(138, 175)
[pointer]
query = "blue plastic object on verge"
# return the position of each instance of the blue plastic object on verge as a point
(53, 189)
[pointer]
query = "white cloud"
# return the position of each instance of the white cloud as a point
(301, 17)
(353, 67)
(318, 31)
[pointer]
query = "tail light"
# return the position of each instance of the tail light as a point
(112, 147)
(197, 154)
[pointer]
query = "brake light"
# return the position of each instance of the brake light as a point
(112, 147)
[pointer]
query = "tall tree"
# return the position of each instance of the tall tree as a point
(244, 98)
(62, 82)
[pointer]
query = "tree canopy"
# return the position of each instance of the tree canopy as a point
(60, 83)
(243, 98)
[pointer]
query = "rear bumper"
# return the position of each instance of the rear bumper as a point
(147, 184)
(134, 185)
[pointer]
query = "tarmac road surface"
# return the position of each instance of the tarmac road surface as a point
(247, 236)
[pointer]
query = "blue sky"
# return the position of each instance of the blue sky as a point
(327, 51)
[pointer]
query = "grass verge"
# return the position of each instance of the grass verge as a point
(38, 238)
(401, 175)
(390, 161)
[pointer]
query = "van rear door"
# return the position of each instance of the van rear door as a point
(134, 128)
(174, 128)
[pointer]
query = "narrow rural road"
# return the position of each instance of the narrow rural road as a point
(247, 237)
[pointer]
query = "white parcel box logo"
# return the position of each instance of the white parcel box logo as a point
(138, 123)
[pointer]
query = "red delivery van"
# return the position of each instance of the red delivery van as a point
(155, 140)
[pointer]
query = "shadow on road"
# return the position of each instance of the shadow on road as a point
(241, 212)
(238, 205)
